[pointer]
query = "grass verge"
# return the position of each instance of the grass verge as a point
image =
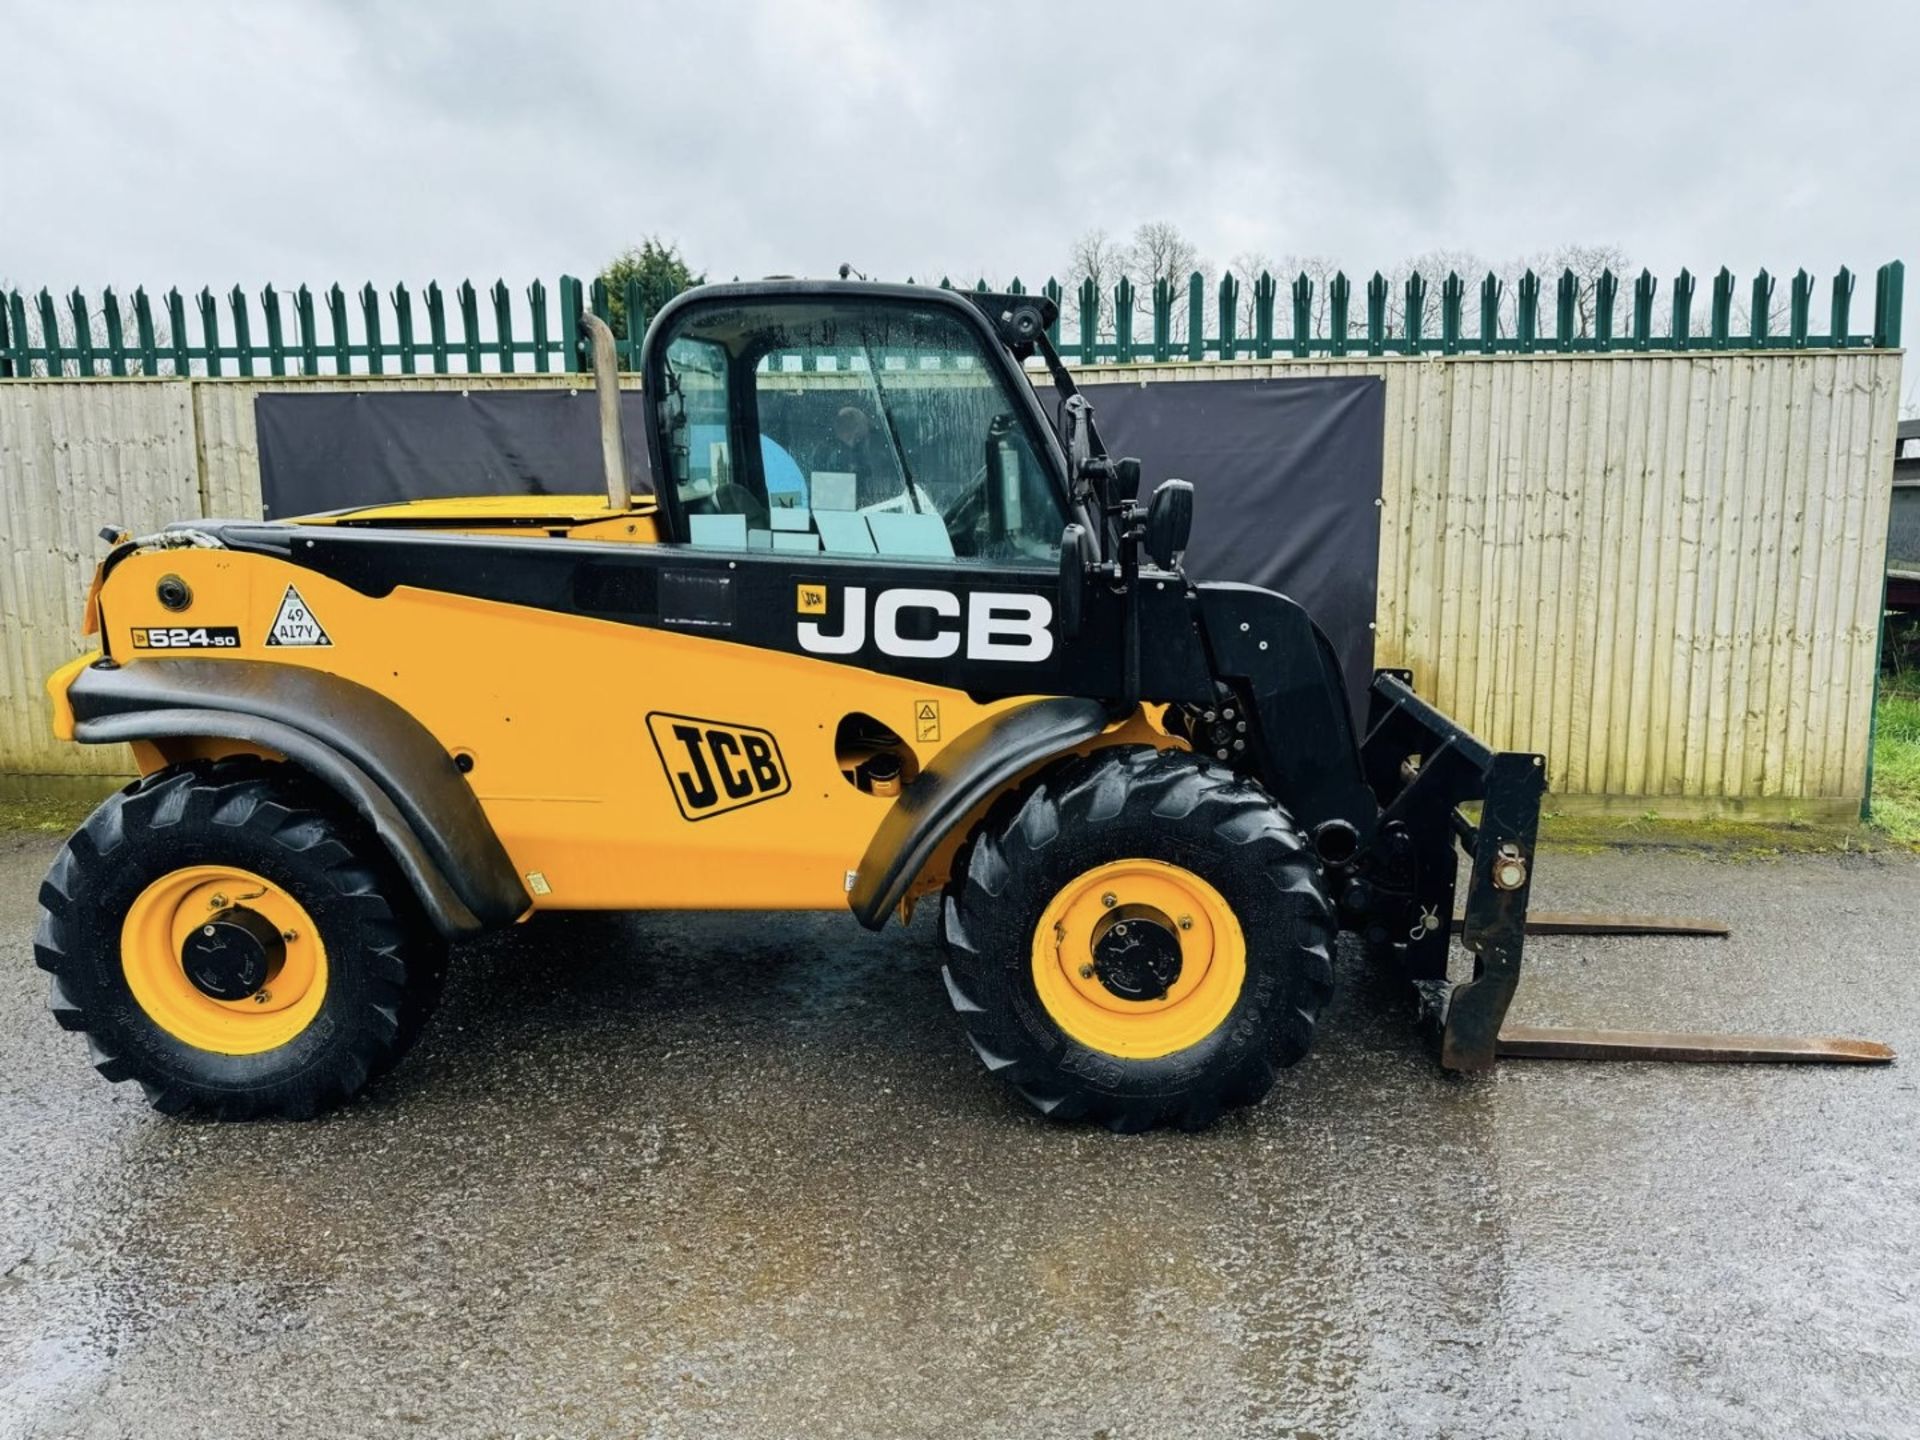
(1896, 766)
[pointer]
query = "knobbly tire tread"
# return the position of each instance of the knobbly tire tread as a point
(385, 964)
(1160, 804)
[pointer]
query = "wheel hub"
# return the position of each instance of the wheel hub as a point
(233, 955)
(1136, 953)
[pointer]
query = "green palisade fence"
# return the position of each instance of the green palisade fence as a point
(370, 334)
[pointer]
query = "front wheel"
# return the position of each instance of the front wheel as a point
(1138, 937)
(231, 940)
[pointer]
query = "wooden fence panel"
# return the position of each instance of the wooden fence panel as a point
(1660, 568)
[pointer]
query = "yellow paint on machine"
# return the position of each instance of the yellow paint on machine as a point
(553, 709)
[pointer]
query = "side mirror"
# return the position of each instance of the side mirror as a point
(1076, 435)
(1169, 522)
(1125, 484)
(1073, 580)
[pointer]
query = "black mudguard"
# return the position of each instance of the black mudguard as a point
(966, 772)
(376, 756)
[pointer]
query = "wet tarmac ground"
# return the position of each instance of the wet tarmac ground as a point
(739, 1175)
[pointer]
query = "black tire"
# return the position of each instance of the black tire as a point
(385, 965)
(1122, 803)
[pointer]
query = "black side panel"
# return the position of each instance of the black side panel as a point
(1267, 645)
(960, 777)
(377, 756)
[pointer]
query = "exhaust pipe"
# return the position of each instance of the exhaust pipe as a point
(606, 385)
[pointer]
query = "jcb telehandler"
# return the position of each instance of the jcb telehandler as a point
(885, 631)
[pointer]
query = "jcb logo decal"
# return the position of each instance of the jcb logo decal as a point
(917, 624)
(713, 767)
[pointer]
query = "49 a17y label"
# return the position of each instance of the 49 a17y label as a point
(186, 637)
(714, 766)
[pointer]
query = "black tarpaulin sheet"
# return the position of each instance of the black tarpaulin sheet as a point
(1286, 473)
(1286, 479)
(345, 448)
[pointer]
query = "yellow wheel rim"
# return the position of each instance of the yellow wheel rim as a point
(169, 910)
(1068, 968)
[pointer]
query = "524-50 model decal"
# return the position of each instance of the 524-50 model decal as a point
(713, 766)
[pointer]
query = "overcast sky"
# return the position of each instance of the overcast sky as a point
(195, 144)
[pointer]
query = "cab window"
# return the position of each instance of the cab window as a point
(864, 428)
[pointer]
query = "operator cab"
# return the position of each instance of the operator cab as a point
(849, 420)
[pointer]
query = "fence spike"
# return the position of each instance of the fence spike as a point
(1229, 314)
(1605, 291)
(1196, 317)
(309, 332)
(116, 334)
(1302, 335)
(1760, 316)
(50, 334)
(210, 329)
(1416, 312)
(537, 309)
(1126, 304)
(1842, 306)
(1889, 283)
(143, 331)
(82, 331)
(1089, 321)
(1682, 309)
(1721, 319)
(1339, 294)
(1453, 291)
(1163, 318)
(470, 322)
(572, 306)
(1014, 287)
(1801, 302)
(437, 326)
(1566, 309)
(337, 319)
(370, 319)
(1376, 314)
(21, 364)
(503, 325)
(1643, 291)
(1490, 289)
(177, 332)
(242, 329)
(403, 326)
(633, 304)
(1054, 293)
(1263, 292)
(1526, 315)
(276, 340)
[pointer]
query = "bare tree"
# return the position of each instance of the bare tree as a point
(1097, 256)
(1161, 251)
(1588, 263)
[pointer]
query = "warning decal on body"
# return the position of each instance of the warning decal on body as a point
(926, 720)
(295, 624)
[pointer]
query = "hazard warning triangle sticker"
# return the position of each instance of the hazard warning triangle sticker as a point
(295, 624)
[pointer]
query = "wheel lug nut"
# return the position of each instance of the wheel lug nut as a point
(218, 902)
(1108, 900)
(1186, 922)
(289, 935)
(1086, 972)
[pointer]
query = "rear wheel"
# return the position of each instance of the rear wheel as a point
(1139, 937)
(230, 940)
